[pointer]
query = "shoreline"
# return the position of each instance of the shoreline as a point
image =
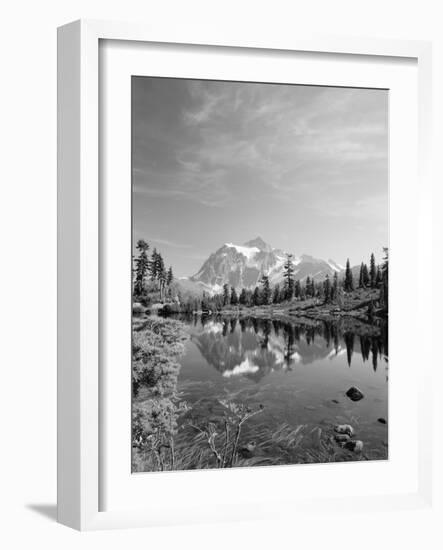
(352, 320)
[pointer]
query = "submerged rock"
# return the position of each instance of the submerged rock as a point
(344, 429)
(355, 446)
(354, 394)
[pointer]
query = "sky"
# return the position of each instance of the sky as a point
(303, 167)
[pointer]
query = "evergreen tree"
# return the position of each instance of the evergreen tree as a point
(297, 289)
(266, 291)
(308, 287)
(384, 290)
(361, 277)
(349, 280)
(243, 297)
(334, 288)
(141, 266)
(161, 275)
(313, 287)
(372, 271)
(256, 298)
(204, 302)
(160, 266)
(327, 289)
(226, 297)
(169, 276)
(234, 298)
(153, 265)
(276, 294)
(378, 277)
(288, 275)
(365, 275)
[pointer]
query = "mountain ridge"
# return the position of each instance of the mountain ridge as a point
(243, 266)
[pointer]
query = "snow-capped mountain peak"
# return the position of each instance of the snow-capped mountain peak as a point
(244, 265)
(259, 243)
(335, 266)
(248, 251)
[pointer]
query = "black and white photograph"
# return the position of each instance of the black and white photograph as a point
(260, 238)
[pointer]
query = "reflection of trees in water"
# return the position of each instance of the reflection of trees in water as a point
(349, 341)
(233, 324)
(243, 325)
(289, 337)
(253, 347)
(374, 348)
(266, 331)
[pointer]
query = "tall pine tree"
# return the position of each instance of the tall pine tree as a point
(266, 290)
(161, 275)
(313, 287)
(365, 275)
(234, 298)
(327, 289)
(170, 276)
(378, 277)
(256, 298)
(243, 299)
(308, 287)
(141, 266)
(297, 289)
(349, 280)
(372, 271)
(276, 294)
(226, 297)
(384, 290)
(334, 288)
(361, 277)
(288, 275)
(153, 265)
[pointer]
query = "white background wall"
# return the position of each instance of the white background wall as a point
(28, 268)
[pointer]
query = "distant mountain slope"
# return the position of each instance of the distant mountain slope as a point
(244, 265)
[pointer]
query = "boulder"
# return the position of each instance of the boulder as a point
(344, 429)
(355, 446)
(354, 394)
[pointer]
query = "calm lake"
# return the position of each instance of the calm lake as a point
(299, 373)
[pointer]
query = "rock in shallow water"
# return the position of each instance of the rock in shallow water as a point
(354, 394)
(344, 429)
(356, 446)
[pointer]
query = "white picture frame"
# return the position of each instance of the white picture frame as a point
(80, 410)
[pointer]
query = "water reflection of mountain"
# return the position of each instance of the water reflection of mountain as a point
(255, 347)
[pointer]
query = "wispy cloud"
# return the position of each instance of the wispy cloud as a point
(168, 242)
(227, 156)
